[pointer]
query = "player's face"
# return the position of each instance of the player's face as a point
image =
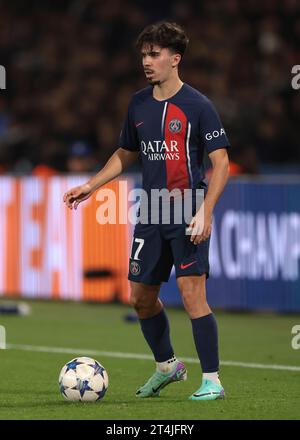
(158, 63)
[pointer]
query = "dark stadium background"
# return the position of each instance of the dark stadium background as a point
(71, 68)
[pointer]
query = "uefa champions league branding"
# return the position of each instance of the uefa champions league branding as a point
(83, 379)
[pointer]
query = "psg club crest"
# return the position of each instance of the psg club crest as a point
(175, 126)
(135, 268)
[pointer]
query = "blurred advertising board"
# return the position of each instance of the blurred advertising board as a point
(48, 251)
(254, 248)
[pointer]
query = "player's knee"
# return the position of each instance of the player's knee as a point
(135, 302)
(192, 292)
(140, 302)
(190, 297)
(143, 297)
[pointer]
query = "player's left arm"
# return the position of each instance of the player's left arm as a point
(201, 224)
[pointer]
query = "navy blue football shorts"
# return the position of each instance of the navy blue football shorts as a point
(157, 247)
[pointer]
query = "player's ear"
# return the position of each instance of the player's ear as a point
(176, 58)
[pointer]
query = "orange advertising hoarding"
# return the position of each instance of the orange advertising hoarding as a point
(49, 251)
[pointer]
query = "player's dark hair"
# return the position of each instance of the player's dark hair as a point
(164, 34)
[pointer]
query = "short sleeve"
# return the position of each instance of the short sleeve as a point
(128, 137)
(212, 132)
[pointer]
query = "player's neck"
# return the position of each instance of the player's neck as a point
(167, 89)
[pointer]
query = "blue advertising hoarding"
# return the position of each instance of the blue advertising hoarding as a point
(254, 249)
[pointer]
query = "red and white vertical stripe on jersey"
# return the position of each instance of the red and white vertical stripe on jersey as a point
(163, 119)
(177, 170)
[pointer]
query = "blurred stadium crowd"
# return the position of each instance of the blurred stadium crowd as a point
(71, 69)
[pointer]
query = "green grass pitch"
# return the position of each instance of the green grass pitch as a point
(29, 388)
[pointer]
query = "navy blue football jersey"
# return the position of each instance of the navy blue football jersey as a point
(171, 136)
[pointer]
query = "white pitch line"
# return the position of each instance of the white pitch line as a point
(116, 354)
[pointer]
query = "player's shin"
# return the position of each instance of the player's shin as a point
(205, 334)
(157, 334)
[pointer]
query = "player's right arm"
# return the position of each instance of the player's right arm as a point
(117, 163)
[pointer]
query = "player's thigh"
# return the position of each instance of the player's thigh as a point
(143, 295)
(193, 292)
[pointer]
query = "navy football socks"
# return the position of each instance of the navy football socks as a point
(156, 331)
(205, 333)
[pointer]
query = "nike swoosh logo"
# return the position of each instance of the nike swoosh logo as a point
(184, 266)
(205, 394)
(139, 123)
(156, 389)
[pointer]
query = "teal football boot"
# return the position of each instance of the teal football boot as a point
(160, 380)
(209, 390)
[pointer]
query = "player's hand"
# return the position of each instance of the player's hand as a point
(76, 195)
(201, 226)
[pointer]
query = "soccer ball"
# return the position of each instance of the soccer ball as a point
(83, 379)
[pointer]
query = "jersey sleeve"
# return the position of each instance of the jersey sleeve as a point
(128, 136)
(212, 133)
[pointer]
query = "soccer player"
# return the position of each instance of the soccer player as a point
(170, 125)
